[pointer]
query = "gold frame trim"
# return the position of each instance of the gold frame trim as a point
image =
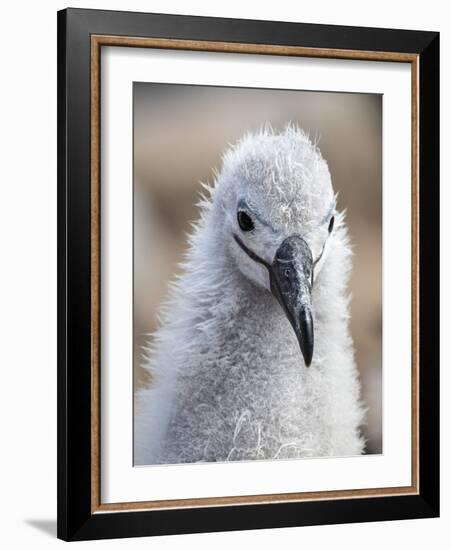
(97, 41)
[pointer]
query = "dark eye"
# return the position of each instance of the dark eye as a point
(245, 221)
(331, 224)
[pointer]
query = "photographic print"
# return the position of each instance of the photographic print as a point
(257, 274)
(248, 306)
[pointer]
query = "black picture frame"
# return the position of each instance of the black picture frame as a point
(76, 518)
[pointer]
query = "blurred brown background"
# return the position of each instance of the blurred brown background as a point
(180, 132)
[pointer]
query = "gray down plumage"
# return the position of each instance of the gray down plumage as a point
(229, 381)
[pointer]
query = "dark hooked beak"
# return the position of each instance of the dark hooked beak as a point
(291, 283)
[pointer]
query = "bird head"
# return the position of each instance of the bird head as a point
(278, 214)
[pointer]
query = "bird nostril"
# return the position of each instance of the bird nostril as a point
(287, 272)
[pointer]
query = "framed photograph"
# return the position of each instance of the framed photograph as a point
(248, 274)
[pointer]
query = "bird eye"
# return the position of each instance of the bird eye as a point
(331, 224)
(245, 221)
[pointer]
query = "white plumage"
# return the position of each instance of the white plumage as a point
(229, 381)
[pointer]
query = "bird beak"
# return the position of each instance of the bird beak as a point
(291, 283)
